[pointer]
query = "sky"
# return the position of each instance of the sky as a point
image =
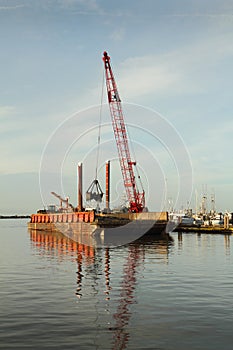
(173, 65)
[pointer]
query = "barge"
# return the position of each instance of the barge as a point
(98, 229)
(94, 225)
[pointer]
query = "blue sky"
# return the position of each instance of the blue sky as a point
(173, 57)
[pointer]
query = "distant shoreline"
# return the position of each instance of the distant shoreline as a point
(15, 216)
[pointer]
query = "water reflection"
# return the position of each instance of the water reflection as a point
(107, 272)
(227, 242)
(119, 276)
(79, 275)
(55, 244)
(129, 279)
(205, 239)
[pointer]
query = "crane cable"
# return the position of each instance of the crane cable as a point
(99, 132)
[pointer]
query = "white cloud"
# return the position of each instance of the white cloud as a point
(145, 75)
(6, 110)
(207, 15)
(11, 8)
(211, 154)
(118, 34)
(181, 71)
(86, 6)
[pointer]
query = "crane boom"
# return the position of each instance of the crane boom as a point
(136, 199)
(62, 200)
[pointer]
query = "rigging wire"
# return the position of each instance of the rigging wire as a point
(99, 132)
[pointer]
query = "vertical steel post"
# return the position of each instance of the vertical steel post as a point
(80, 187)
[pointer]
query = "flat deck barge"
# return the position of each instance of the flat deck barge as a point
(90, 221)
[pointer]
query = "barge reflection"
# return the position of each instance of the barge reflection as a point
(93, 262)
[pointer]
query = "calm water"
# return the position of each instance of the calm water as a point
(57, 294)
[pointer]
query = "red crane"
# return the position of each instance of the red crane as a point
(135, 198)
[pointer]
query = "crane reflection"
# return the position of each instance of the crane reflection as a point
(93, 262)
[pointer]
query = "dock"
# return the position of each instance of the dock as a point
(205, 229)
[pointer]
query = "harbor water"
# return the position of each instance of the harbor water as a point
(156, 293)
